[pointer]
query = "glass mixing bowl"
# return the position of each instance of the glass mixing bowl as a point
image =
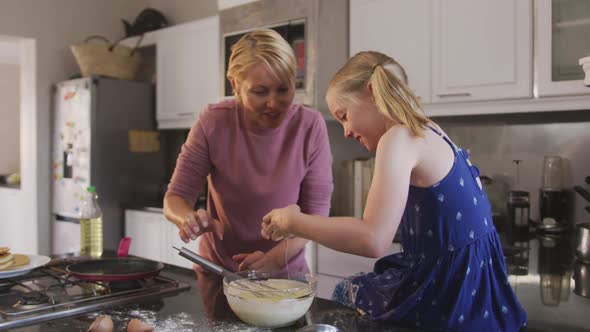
(259, 306)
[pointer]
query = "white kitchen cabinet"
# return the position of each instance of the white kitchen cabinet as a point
(335, 263)
(326, 285)
(226, 4)
(187, 69)
(170, 255)
(400, 29)
(153, 237)
(145, 230)
(333, 266)
(481, 50)
(562, 37)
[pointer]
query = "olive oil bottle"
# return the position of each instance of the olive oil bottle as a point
(91, 225)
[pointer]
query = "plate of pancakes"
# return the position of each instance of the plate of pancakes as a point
(12, 265)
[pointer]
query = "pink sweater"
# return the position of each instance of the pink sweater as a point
(252, 170)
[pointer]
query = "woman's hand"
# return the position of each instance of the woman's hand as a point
(197, 223)
(276, 224)
(256, 261)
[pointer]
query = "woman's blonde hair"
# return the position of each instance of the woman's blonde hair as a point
(393, 97)
(262, 46)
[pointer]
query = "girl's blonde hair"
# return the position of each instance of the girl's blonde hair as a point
(393, 97)
(262, 46)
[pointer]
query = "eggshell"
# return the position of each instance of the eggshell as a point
(102, 323)
(136, 325)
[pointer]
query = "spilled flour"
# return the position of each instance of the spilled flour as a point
(177, 322)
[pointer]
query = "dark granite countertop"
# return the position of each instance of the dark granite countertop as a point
(541, 269)
(204, 308)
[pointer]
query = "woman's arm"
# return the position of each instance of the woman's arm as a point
(176, 209)
(397, 154)
(192, 167)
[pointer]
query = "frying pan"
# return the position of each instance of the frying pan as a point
(115, 269)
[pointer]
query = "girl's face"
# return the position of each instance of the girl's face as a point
(360, 119)
(264, 97)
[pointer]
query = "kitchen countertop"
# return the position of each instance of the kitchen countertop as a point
(540, 273)
(203, 308)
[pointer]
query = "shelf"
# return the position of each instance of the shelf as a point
(149, 39)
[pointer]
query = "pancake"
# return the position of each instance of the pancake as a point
(4, 250)
(6, 263)
(5, 258)
(15, 261)
(20, 260)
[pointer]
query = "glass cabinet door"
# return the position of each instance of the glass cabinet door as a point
(562, 37)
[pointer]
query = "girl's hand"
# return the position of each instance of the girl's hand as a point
(197, 223)
(276, 225)
(256, 261)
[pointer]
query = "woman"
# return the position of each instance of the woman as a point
(258, 151)
(451, 275)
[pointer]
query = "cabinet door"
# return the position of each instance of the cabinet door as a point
(145, 230)
(326, 285)
(225, 4)
(400, 29)
(187, 63)
(339, 264)
(482, 50)
(173, 239)
(562, 37)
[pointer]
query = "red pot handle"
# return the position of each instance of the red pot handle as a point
(124, 244)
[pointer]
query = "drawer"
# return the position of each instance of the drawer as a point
(338, 264)
(326, 285)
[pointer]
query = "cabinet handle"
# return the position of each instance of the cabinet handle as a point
(458, 94)
(185, 113)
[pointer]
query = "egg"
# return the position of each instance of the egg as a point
(102, 323)
(136, 325)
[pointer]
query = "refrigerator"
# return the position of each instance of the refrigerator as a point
(92, 121)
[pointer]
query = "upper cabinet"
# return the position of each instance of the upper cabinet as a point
(562, 38)
(476, 56)
(481, 50)
(400, 29)
(187, 67)
(225, 4)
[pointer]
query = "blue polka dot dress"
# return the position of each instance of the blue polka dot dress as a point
(451, 274)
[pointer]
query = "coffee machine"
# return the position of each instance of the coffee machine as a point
(553, 198)
(518, 206)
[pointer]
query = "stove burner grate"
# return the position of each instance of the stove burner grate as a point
(33, 300)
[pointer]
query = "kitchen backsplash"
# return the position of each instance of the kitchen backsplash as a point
(494, 141)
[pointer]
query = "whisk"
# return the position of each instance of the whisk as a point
(256, 288)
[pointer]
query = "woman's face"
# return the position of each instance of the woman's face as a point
(264, 97)
(360, 119)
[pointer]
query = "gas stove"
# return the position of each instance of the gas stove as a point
(50, 292)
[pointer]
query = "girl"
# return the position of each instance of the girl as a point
(451, 275)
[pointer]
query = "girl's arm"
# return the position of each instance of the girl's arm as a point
(397, 154)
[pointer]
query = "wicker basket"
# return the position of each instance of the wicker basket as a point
(98, 56)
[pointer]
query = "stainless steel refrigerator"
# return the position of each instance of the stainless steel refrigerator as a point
(92, 120)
